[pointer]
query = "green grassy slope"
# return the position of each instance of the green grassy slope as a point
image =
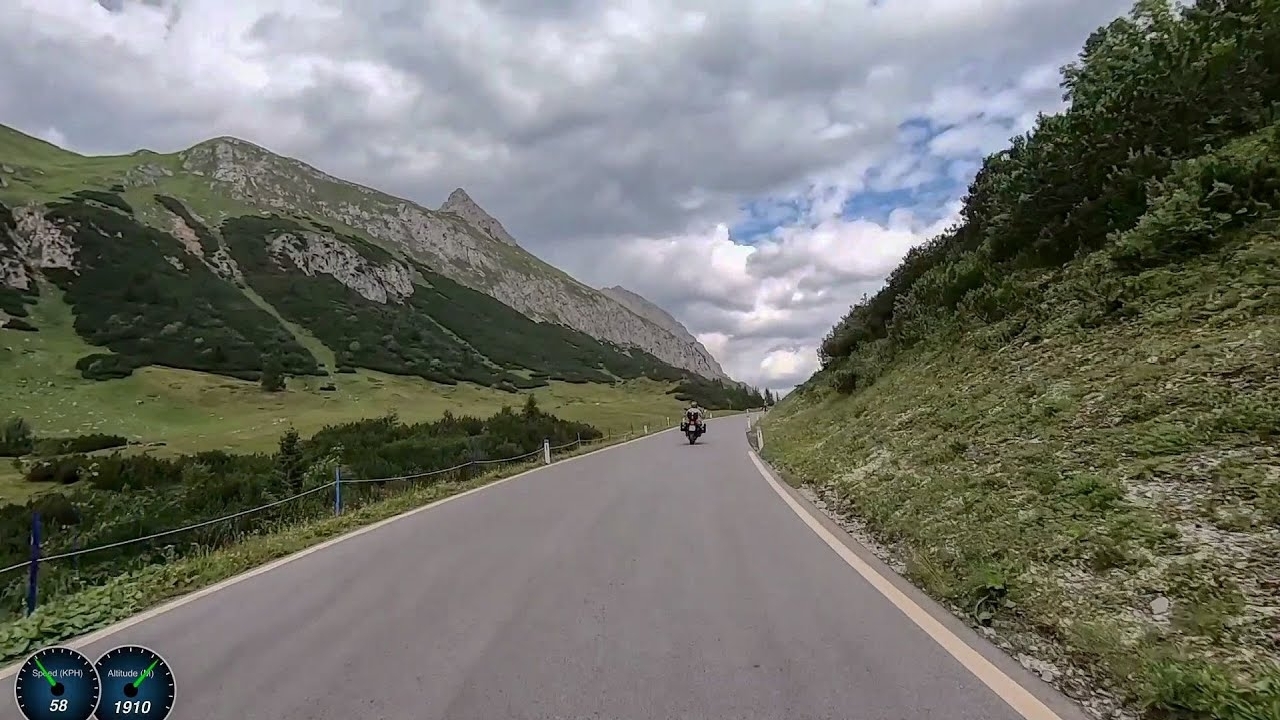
(1063, 416)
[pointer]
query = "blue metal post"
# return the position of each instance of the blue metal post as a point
(337, 491)
(33, 570)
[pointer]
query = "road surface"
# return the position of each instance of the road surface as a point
(653, 580)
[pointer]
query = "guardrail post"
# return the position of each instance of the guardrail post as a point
(546, 450)
(33, 570)
(337, 491)
(578, 442)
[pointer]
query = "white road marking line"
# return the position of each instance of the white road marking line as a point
(86, 640)
(1019, 698)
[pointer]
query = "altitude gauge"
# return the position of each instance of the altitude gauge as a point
(137, 684)
(57, 683)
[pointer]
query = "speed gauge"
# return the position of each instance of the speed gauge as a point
(57, 683)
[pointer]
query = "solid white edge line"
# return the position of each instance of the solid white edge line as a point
(86, 640)
(1009, 690)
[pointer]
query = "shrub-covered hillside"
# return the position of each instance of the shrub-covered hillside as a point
(191, 194)
(441, 331)
(1062, 416)
(151, 300)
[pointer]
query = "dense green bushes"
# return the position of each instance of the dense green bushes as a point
(120, 497)
(716, 395)
(13, 301)
(79, 444)
(19, 324)
(1148, 162)
(18, 439)
(110, 200)
(1203, 200)
(129, 298)
(385, 448)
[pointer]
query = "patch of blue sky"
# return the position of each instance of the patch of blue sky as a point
(913, 180)
(764, 215)
(916, 132)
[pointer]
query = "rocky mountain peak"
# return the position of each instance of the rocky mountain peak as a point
(457, 199)
(461, 204)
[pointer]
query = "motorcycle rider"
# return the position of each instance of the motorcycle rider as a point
(694, 413)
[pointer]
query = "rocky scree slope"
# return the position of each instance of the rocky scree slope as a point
(460, 241)
(641, 306)
(157, 255)
(1062, 416)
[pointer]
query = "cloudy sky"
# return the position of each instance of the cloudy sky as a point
(754, 166)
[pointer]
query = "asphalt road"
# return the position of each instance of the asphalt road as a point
(654, 580)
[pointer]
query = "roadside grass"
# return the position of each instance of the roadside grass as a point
(191, 411)
(68, 616)
(1107, 497)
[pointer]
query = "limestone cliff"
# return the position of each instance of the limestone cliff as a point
(641, 306)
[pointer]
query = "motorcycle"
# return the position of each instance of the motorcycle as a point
(693, 427)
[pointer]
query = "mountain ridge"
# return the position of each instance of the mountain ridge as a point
(462, 205)
(226, 176)
(460, 250)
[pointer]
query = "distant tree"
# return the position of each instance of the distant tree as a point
(290, 468)
(530, 406)
(273, 375)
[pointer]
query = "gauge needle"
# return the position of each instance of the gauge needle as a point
(47, 676)
(145, 673)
